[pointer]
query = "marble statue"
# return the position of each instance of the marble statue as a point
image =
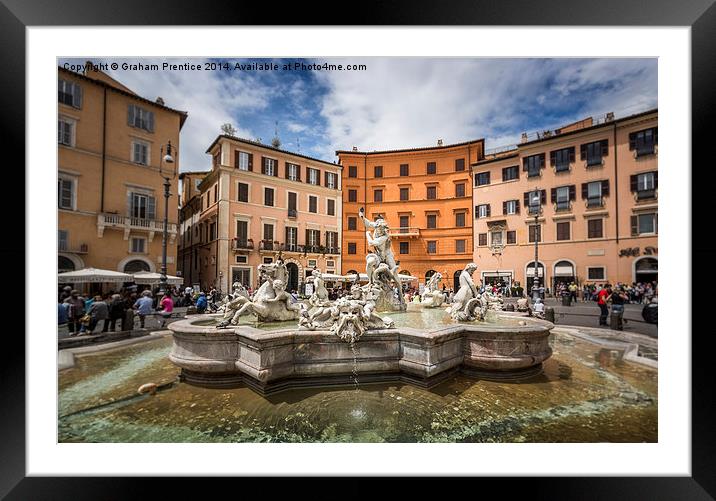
(381, 266)
(234, 300)
(468, 304)
(320, 293)
(494, 301)
(432, 296)
(270, 302)
(523, 304)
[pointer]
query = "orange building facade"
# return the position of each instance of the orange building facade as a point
(259, 203)
(424, 195)
(597, 187)
(110, 191)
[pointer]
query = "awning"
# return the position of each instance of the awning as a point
(149, 278)
(93, 275)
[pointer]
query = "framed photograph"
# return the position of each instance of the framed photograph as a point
(451, 247)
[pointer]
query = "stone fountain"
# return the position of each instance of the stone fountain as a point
(333, 342)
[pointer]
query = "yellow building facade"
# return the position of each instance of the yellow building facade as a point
(110, 189)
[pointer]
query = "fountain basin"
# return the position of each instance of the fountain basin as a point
(286, 356)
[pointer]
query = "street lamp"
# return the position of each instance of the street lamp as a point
(167, 180)
(536, 208)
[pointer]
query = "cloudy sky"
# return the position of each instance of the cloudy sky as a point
(394, 103)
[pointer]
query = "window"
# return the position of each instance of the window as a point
(268, 233)
(197, 182)
(460, 219)
(459, 190)
(510, 207)
(643, 224)
(212, 231)
(432, 247)
(331, 180)
(243, 192)
(593, 152)
(268, 197)
(533, 164)
(313, 204)
(644, 185)
(352, 223)
(332, 241)
(69, 93)
(314, 176)
(510, 173)
(378, 171)
(313, 239)
(140, 118)
(596, 273)
(138, 245)
(351, 248)
(140, 152)
(482, 239)
(432, 192)
(65, 193)
(594, 194)
(404, 223)
(270, 167)
(482, 178)
(483, 210)
(533, 201)
(643, 141)
(62, 239)
(142, 206)
(405, 193)
(352, 195)
(331, 208)
(240, 260)
(563, 230)
(459, 164)
(242, 233)
(292, 172)
(432, 168)
(560, 197)
(352, 171)
(377, 195)
(216, 159)
(291, 238)
(405, 247)
(242, 160)
(512, 237)
(66, 131)
(560, 159)
(496, 237)
(432, 221)
(459, 246)
(292, 204)
(595, 228)
(404, 170)
(535, 229)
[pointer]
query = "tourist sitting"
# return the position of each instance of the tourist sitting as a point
(143, 305)
(201, 303)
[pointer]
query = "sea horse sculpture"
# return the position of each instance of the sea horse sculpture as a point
(468, 305)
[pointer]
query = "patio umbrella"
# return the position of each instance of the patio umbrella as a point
(149, 278)
(93, 275)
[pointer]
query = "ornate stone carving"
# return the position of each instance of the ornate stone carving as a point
(468, 305)
(432, 296)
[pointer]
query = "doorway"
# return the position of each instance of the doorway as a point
(292, 284)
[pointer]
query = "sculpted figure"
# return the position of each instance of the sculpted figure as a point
(467, 300)
(432, 296)
(320, 293)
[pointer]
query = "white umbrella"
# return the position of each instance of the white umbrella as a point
(93, 275)
(149, 278)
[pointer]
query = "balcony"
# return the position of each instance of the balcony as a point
(645, 195)
(595, 203)
(562, 207)
(406, 231)
(134, 224)
(270, 245)
(243, 244)
(64, 247)
(292, 213)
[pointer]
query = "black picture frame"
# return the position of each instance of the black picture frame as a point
(700, 15)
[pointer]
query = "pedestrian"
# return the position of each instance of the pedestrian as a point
(187, 296)
(99, 311)
(166, 305)
(116, 311)
(62, 313)
(75, 312)
(66, 292)
(618, 298)
(143, 305)
(602, 296)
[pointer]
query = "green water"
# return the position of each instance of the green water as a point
(584, 395)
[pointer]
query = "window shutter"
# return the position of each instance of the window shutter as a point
(325, 179)
(632, 141)
(488, 210)
(263, 165)
(656, 136)
(517, 206)
(308, 174)
(476, 212)
(554, 195)
(552, 158)
(129, 203)
(571, 154)
(656, 179)
(541, 161)
(605, 147)
(585, 191)
(632, 183)
(543, 197)
(307, 240)
(572, 192)
(318, 177)
(150, 121)
(151, 208)
(524, 164)
(130, 115)
(504, 208)
(634, 226)
(583, 152)
(298, 172)
(527, 198)
(475, 179)
(251, 161)
(286, 170)
(605, 188)
(275, 169)
(236, 159)
(77, 96)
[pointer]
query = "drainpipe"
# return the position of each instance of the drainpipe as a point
(616, 182)
(104, 153)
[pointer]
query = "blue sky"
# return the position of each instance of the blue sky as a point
(395, 103)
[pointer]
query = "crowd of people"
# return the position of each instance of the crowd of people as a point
(636, 293)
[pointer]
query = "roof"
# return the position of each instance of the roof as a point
(193, 173)
(268, 147)
(423, 148)
(182, 114)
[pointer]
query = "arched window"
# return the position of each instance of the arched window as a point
(135, 266)
(352, 272)
(429, 274)
(404, 272)
(456, 280)
(64, 264)
(563, 273)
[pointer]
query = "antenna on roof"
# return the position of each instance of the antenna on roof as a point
(298, 145)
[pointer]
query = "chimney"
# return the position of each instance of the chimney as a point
(440, 142)
(355, 148)
(160, 101)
